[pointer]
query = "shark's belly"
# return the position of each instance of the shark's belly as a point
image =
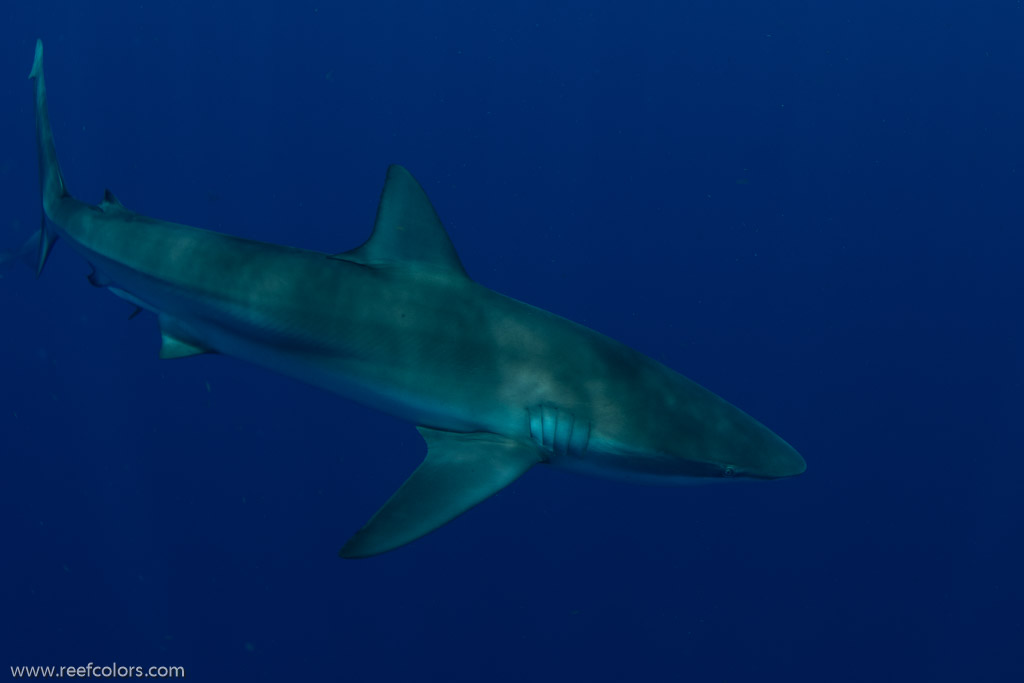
(429, 395)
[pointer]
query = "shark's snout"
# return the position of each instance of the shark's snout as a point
(779, 461)
(789, 464)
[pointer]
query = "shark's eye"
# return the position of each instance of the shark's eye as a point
(729, 472)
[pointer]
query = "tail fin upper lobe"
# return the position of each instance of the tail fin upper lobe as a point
(51, 181)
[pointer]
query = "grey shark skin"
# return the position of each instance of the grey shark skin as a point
(494, 385)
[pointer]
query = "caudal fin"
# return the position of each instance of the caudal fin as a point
(51, 182)
(27, 253)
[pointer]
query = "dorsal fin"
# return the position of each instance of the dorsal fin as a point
(407, 230)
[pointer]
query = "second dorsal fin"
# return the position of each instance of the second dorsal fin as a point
(110, 202)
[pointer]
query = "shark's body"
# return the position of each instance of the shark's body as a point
(495, 385)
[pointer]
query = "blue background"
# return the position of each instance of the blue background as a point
(814, 209)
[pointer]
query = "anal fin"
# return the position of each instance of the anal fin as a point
(98, 279)
(459, 471)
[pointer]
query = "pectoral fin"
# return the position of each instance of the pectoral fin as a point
(460, 470)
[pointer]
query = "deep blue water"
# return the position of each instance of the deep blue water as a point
(812, 209)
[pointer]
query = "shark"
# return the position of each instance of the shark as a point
(495, 386)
